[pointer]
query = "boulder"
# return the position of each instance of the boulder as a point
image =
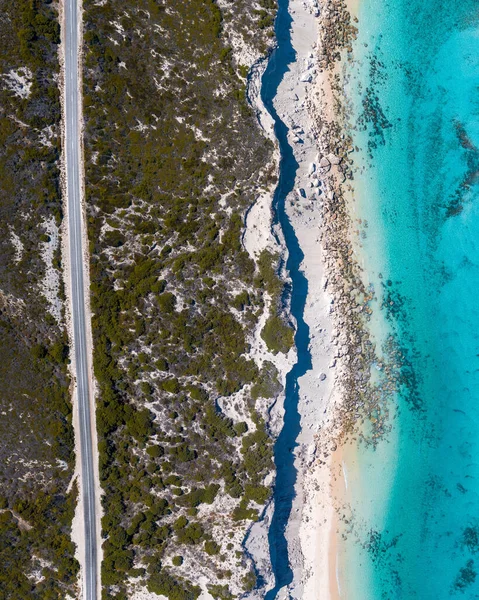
(307, 77)
(333, 159)
(324, 166)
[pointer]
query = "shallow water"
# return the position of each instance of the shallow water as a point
(414, 92)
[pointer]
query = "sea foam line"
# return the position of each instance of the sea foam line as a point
(345, 474)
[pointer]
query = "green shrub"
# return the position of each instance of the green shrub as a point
(249, 581)
(163, 583)
(257, 493)
(212, 548)
(146, 388)
(114, 238)
(173, 480)
(243, 71)
(139, 424)
(160, 508)
(197, 393)
(257, 453)
(220, 592)
(244, 514)
(268, 384)
(155, 451)
(200, 496)
(161, 364)
(241, 300)
(167, 302)
(171, 386)
(183, 453)
(217, 424)
(279, 336)
(268, 278)
(135, 524)
(191, 534)
(180, 523)
(241, 428)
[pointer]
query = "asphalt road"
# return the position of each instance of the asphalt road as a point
(73, 176)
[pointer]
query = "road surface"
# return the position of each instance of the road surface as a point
(74, 172)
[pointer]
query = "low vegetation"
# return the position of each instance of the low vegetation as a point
(174, 158)
(36, 441)
(277, 335)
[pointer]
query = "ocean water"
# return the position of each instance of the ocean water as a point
(413, 91)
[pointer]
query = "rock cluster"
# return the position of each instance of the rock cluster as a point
(361, 400)
(337, 32)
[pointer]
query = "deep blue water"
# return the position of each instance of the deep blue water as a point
(278, 65)
(414, 91)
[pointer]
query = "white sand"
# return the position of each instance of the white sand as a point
(50, 283)
(19, 82)
(308, 531)
(17, 245)
(141, 593)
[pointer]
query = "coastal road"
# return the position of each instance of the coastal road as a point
(73, 157)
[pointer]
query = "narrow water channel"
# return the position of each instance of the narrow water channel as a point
(278, 65)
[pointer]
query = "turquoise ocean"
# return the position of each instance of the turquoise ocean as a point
(413, 94)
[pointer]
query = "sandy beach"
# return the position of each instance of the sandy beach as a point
(310, 95)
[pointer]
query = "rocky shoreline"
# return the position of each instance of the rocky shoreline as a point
(355, 401)
(351, 309)
(336, 394)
